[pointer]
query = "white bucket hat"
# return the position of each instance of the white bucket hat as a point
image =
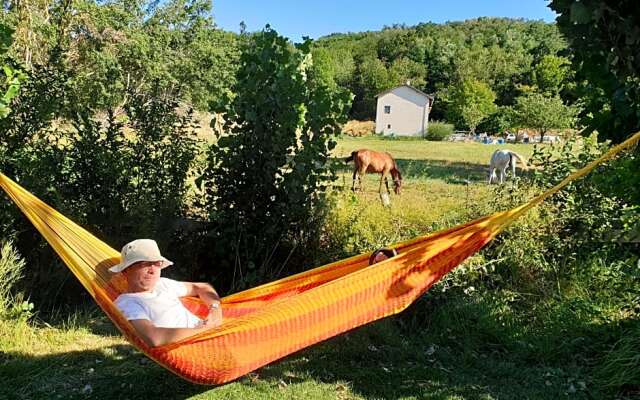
(139, 250)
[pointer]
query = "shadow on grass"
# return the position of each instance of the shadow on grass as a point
(112, 372)
(442, 347)
(476, 357)
(456, 173)
(466, 350)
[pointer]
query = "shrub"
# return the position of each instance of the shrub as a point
(12, 307)
(126, 180)
(120, 180)
(266, 177)
(439, 131)
(594, 211)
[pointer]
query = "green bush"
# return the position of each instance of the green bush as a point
(439, 131)
(124, 180)
(121, 181)
(594, 212)
(267, 175)
(12, 306)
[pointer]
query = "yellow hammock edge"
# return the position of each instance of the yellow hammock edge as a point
(273, 320)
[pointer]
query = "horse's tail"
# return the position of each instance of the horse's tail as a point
(351, 157)
(520, 158)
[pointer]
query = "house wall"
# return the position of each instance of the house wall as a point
(409, 112)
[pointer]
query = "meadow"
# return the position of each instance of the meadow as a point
(455, 343)
(444, 183)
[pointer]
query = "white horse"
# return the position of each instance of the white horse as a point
(500, 161)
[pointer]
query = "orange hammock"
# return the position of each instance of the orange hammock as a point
(271, 321)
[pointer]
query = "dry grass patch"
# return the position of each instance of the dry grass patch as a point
(359, 128)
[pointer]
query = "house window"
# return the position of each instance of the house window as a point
(387, 109)
(389, 126)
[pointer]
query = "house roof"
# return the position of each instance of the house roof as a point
(430, 96)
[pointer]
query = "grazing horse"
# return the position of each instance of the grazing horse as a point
(373, 161)
(500, 161)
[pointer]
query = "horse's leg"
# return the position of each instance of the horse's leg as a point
(493, 173)
(381, 179)
(353, 182)
(362, 172)
(386, 183)
(513, 167)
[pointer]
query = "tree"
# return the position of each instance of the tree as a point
(373, 78)
(604, 40)
(404, 69)
(550, 73)
(498, 122)
(400, 43)
(117, 47)
(267, 174)
(13, 77)
(542, 113)
(500, 52)
(471, 102)
(324, 67)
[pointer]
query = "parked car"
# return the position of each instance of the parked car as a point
(511, 137)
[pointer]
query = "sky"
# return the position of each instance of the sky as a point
(295, 19)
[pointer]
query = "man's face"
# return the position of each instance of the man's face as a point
(143, 276)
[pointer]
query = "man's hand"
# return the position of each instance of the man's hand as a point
(214, 318)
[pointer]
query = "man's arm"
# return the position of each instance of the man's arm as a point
(209, 296)
(154, 336)
(204, 291)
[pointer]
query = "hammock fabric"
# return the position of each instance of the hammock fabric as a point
(271, 321)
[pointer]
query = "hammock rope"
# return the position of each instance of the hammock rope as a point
(273, 320)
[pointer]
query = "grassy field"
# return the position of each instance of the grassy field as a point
(417, 149)
(453, 344)
(442, 184)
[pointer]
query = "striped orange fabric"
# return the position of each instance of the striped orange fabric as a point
(271, 321)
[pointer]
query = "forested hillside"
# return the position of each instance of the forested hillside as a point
(504, 56)
(114, 49)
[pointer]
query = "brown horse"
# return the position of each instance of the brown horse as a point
(373, 161)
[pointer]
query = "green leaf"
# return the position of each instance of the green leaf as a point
(580, 13)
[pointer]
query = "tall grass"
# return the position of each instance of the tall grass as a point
(11, 268)
(620, 368)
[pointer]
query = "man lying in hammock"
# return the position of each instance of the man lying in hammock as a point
(152, 304)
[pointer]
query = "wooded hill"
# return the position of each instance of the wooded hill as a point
(114, 49)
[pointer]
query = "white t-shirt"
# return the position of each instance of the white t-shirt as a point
(161, 306)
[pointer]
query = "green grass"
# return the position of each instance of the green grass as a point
(419, 149)
(454, 343)
(448, 346)
(442, 183)
(89, 360)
